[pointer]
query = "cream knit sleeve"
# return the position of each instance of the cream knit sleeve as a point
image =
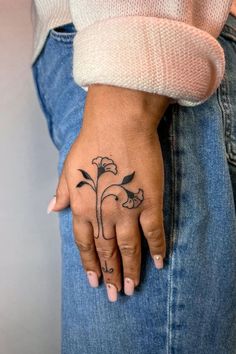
(166, 47)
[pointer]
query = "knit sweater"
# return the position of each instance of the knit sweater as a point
(166, 47)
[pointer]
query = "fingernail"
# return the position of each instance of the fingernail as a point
(51, 205)
(158, 260)
(111, 292)
(92, 279)
(128, 286)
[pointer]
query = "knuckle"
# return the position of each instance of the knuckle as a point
(155, 235)
(105, 253)
(128, 250)
(84, 247)
(107, 213)
(80, 209)
(127, 234)
(151, 216)
(75, 207)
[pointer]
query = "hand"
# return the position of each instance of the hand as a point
(113, 179)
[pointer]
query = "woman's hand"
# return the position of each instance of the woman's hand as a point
(113, 180)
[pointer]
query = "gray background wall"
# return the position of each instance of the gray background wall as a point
(29, 241)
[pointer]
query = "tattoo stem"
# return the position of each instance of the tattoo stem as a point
(112, 185)
(97, 208)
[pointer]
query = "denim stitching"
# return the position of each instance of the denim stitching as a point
(224, 103)
(63, 37)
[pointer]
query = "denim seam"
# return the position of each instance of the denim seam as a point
(172, 235)
(224, 103)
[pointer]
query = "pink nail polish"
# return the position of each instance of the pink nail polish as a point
(111, 292)
(51, 205)
(158, 260)
(92, 279)
(128, 286)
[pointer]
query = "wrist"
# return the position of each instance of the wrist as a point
(121, 107)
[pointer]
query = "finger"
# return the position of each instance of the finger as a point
(129, 242)
(151, 221)
(62, 198)
(109, 256)
(84, 239)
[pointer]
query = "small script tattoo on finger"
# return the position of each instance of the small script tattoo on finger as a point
(106, 269)
(128, 199)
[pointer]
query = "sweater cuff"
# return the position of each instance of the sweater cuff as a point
(151, 54)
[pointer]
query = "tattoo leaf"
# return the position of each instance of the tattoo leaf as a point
(128, 178)
(85, 174)
(80, 184)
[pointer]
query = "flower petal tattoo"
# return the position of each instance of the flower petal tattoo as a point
(134, 199)
(104, 164)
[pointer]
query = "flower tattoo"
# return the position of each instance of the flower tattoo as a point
(104, 165)
(134, 199)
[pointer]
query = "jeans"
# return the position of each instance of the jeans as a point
(188, 307)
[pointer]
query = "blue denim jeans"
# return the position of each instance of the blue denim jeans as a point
(189, 307)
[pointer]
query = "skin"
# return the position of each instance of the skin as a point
(119, 124)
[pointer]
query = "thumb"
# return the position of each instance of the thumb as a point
(61, 200)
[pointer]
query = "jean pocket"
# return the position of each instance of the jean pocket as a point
(64, 33)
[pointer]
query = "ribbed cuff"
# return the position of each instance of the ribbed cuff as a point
(151, 54)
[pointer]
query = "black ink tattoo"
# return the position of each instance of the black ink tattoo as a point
(106, 270)
(133, 200)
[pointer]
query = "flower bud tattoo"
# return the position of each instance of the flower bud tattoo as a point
(104, 165)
